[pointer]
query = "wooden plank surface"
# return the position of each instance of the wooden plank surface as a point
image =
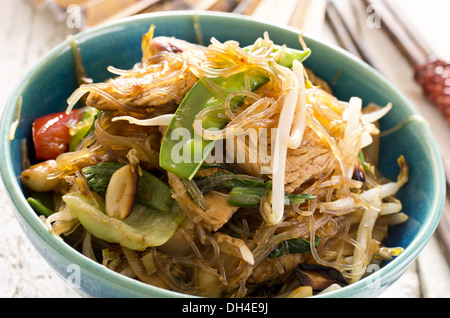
(29, 34)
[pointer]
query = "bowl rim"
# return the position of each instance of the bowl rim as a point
(134, 287)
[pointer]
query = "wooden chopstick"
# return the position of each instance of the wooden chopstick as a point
(344, 34)
(392, 25)
(410, 45)
(409, 30)
(416, 52)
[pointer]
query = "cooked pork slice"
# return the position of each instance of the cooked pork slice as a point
(145, 91)
(217, 212)
(234, 246)
(313, 158)
(309, 161)
(155, 86)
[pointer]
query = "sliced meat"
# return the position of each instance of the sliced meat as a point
(307, 162)
(235, 247)
(217, 212)
(155, 86)
(145, 91)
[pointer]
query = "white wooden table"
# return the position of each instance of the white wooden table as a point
(26, 35)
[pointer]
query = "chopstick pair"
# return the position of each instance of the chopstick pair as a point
(345, 36)
(433, 75)
(430, 72)
(418, 55)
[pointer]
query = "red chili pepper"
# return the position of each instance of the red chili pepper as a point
(51, 134)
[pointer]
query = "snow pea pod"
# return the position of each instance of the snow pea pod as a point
(182, 150)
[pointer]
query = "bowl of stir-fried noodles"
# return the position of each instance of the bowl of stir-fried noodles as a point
(212, 155)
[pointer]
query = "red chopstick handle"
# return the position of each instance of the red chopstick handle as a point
(434, 78)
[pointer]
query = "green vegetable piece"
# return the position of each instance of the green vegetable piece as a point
(220, 181)
(363, 161)
(287, 59)
(178, 152)
(246, 197)
(42, 203)
(293, 246)
(98, 176)
(251, 197)
(144, 227)
(150, 190)
(183, 151)
(245, 191)
(291, 199)
(84, 127)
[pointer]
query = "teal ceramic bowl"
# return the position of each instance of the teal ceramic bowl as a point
(48, 85)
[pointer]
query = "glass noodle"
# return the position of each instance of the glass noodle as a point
(316, 145)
